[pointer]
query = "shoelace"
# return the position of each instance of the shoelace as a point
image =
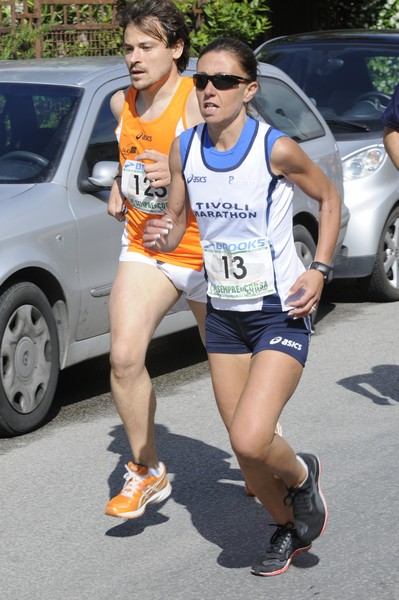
(301, 498)
(281, 538)
(132, 483)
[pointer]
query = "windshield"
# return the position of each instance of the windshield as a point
(34, 124)
(351, 84)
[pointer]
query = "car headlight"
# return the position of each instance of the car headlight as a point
(363, 163)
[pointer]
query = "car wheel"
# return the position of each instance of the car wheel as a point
(383, 285)
(29, 354)
(304, 244)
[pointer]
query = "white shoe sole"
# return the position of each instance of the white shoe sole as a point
(155, 499)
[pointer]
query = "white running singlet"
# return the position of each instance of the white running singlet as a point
(244, 214)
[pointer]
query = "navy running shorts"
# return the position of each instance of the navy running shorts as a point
(233, 332)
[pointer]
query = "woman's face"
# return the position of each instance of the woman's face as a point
(220, 107)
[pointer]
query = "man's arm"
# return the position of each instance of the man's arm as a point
(391, 143)
(116, 206)
(390, 120)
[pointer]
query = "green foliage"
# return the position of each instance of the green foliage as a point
(388, 17)
(246, 20)
(21, 43)
(341, 14)
(386, 69)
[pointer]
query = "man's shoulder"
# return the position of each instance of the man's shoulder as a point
(117, 101)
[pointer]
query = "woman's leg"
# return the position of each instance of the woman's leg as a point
(250, 405)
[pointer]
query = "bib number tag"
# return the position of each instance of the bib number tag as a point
(239, 271)
(137, 189)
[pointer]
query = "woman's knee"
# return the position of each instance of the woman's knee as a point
(250, 446)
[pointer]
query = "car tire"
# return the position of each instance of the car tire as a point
(29, 351)
(383, 284)
(304, 244)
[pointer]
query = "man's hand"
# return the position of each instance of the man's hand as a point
(116, 204)
(157, 172)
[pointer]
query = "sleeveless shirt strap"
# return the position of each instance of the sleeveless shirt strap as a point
(271, 137)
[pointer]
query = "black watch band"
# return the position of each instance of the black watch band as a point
(328, 272)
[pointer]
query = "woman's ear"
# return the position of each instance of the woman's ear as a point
(251, 90)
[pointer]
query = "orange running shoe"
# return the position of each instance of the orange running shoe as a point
(248, 490)
(140, 489)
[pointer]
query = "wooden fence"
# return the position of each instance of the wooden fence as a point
(52, 26)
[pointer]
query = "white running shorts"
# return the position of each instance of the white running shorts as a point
(191, 283)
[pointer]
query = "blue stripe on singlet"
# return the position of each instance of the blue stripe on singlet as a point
(270, 138)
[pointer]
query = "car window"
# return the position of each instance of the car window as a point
(280, 106)
(384, 72)
(34, 125)
(103, 144)
(351, 84)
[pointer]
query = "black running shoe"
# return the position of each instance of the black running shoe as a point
(283, 547)
(308, 503)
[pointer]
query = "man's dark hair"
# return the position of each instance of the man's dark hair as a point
(148, 15)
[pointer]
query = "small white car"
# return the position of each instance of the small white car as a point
(59, 248)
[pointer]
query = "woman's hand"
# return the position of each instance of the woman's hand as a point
(156, 233)
(305, 294)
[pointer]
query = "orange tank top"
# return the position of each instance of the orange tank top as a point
(142, 201)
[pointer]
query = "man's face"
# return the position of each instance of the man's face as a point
(148, 59)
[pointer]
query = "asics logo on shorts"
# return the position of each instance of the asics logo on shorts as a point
(285, 342)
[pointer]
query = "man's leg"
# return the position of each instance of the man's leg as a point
(141, 296)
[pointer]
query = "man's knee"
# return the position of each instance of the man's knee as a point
(126, 358)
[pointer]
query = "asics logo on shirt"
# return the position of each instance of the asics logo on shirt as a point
(196, 179)
(144, 137)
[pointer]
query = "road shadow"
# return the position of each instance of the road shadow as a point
(381, 385)
(345, 290)
(211, 490)
(349, 291)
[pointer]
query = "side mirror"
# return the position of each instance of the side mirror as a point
(104, 173)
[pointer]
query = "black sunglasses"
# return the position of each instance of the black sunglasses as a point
(221, 81)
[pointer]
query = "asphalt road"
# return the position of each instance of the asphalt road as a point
(56, 543)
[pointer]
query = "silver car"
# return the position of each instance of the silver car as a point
(350, 76)
(59, 248)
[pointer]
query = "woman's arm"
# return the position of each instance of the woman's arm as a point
(288, 159)
(165, 234)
